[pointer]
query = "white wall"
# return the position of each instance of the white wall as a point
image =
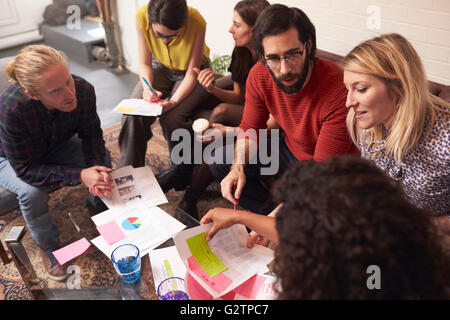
(217, 13)
(340, 25)
(19, 20)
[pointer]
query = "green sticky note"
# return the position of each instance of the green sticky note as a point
(169, 273)
(203, 254)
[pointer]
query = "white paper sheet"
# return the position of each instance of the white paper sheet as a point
(229, 245)
(138, 107)
(156, 227)
(165, 263)
(134, 183)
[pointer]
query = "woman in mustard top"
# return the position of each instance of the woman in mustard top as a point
(171, 43)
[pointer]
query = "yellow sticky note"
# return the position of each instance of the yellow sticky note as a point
(203, 254)
(124, 109)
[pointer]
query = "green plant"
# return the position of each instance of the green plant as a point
(220, 65)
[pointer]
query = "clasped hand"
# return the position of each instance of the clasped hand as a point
(98, 180)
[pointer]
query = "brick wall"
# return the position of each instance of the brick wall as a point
(342, 24)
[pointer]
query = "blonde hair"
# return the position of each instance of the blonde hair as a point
(30, 63)
(393, 60)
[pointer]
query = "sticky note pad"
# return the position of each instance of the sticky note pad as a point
(71, 251)
(196, 290)
(219, 283)
(201, 251)
(111, 232)
(124, 109)
(251, 287)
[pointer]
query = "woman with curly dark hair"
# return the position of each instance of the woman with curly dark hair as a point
(339, 218)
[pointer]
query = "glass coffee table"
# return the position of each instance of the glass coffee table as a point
(93, 276)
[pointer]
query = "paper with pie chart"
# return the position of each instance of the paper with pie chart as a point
(136, 223)
(131, 223)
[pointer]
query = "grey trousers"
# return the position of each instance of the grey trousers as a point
(136, 131)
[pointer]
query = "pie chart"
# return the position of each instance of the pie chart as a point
(131, 223)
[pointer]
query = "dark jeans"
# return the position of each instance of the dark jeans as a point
(255, 197)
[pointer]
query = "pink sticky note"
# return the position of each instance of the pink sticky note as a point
(251, 287)
(71, 251)
(218, 282)
(228, 296)
(111, 232)
(196, 291)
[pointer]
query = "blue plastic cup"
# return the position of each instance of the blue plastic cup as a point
(127, 262)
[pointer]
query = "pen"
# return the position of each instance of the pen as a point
(74, 223)
(150, 87)
(233, 190)
(77, 227)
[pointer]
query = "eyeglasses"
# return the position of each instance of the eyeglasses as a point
(292, 59)
(163, 36)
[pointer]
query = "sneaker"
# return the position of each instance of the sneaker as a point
(54, 270)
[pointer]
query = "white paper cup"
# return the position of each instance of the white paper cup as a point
(200, 126)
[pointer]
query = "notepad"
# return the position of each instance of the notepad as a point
(201, 251)
(251, 287)
(138, 107)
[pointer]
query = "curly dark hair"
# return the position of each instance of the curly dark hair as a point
(343, 215)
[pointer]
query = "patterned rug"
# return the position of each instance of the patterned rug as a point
(71, 199)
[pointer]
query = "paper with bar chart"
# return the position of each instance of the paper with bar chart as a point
(166, 263)
(132, 184)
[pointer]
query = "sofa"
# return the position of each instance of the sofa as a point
(8, 200)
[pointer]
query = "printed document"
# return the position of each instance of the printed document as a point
(229, 246)
(145, 227)
(134, 183)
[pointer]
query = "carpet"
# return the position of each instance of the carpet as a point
(70, 199)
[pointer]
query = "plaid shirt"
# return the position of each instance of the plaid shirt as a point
(28, 131)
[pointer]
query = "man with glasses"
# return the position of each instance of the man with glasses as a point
(304, 94)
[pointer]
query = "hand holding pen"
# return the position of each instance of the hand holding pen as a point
(153, 95)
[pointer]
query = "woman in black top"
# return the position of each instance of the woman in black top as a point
(225, 106)
(229, 111)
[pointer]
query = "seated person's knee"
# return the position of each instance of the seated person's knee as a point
(219, 113)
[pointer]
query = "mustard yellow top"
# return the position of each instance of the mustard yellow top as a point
(174, 55)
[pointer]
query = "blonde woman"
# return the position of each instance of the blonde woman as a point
(50, 137)
(397, 122)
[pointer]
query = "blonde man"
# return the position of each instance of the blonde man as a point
(397, 122)
(40, 114)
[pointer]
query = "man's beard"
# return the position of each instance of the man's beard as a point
(296, 87)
